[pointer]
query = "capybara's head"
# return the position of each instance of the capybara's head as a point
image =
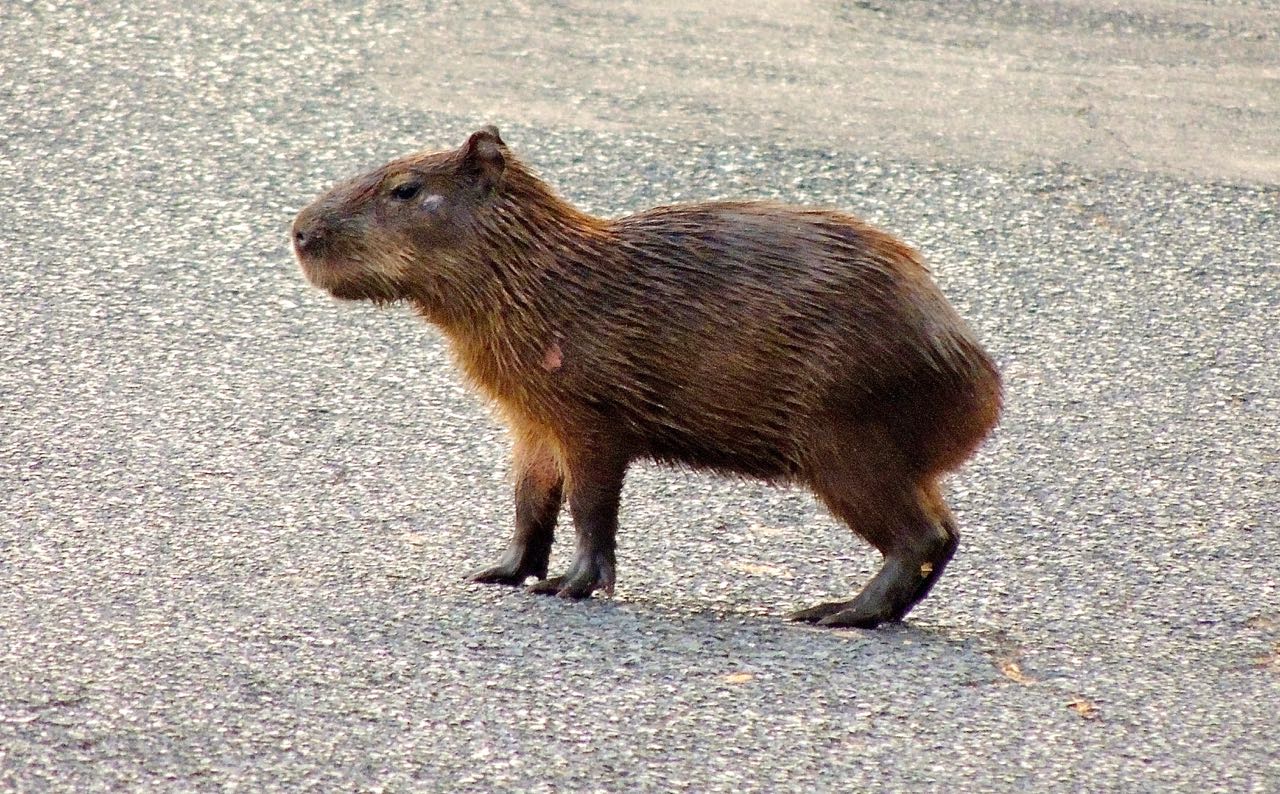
(388, 234)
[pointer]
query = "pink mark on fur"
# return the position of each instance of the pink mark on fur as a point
(553, 358)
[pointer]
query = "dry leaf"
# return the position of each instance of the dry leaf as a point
(1264, 622)
(757, 569)
(1272, 660)
(767, 531)
(1009, 669)
(1085, 708)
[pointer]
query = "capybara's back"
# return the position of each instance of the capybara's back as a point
(752, 327)
(794, 345)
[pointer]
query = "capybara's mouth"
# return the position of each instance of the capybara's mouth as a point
(345, 279)
(320, 270)
(325, 272)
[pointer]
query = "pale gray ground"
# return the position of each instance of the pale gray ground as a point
(236, 516)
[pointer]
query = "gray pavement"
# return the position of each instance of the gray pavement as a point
(236, 515)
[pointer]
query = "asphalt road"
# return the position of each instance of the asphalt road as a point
(235, 516)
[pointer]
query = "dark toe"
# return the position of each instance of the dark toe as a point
(816, 614)
(550, 586)
(498, 574)
(855, 619)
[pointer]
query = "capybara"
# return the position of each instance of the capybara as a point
(793, 345)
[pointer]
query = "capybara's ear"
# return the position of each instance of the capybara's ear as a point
(492, 132)
(482, 157)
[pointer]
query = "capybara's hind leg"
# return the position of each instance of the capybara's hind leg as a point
(903, 580)
(911, 565)
(867, 486)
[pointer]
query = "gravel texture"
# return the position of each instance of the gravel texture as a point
(236, 515)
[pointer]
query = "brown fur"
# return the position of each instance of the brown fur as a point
(793, 345)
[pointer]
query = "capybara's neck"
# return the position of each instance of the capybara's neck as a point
(499, 297)
(523, 236)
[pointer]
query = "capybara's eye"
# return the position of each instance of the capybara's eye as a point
(406, 190)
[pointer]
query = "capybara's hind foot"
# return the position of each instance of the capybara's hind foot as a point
(817, 613)
(898, 586)
(585, 576)
(886, 597)
(843, 613)
(858, 613)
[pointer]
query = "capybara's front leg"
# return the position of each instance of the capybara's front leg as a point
(539, 494)
(595, 488)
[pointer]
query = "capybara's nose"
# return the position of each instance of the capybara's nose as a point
(308, 233)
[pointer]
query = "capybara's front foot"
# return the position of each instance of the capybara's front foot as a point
(587, 574)
(501, 573)
(514, 568)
